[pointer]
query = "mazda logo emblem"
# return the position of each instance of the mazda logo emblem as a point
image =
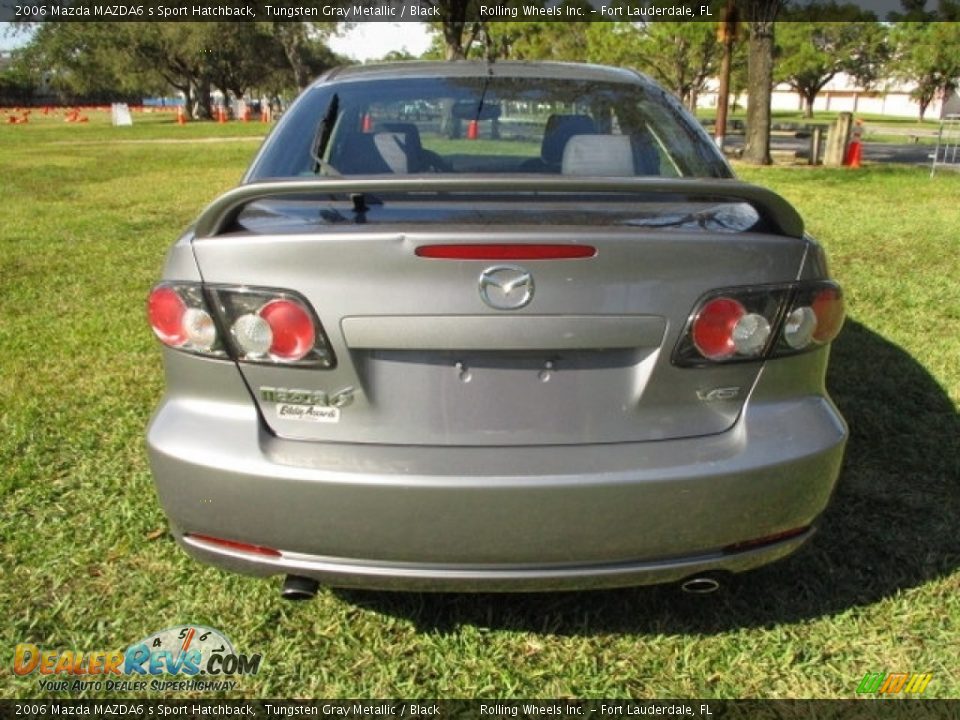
(506, 287)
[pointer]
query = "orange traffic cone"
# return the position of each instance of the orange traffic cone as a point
(856, 154)
(473, 130)
(181, 118)
(855, 148)
(246, 113)
(367, 123)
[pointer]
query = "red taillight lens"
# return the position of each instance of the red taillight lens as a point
(713, 328)
(165, 310)
(828, 307)
(292, 327)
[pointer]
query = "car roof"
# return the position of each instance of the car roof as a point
(473, 68)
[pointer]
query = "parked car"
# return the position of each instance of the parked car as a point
(545, 340)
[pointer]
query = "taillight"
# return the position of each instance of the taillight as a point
(252, 325)
(724, 329)
(180, 318)
(741, 324)
(813, 319)
(828, 307)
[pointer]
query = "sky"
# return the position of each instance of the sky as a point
(7, 42)
(367, 41)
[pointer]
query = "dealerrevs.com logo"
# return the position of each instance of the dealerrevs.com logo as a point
(200, 658)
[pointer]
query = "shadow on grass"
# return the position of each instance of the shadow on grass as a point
(891, 525)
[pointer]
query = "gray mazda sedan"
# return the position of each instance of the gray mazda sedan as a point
(469, 326)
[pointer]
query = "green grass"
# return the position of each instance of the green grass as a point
(86, 222)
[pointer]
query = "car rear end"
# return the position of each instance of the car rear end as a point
(511, 380)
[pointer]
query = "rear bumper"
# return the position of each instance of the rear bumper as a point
(507, 518)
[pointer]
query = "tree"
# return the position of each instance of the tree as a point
(120, 59)
(823, 40)
(542, 40)
(916, 11)
(681, 56)
(458, 32)
(762, 14)
(927, 55)
(86, 60)
(303, 45)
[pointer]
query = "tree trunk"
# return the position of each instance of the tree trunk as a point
(759, 87)
(453, 39)
(201, 101)
(808, 99)
(449, 125)
(292, 36)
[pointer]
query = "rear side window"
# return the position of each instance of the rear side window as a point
(411, 126)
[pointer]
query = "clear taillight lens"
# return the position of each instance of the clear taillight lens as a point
(249, 324)
(814, 317)
(741, 324)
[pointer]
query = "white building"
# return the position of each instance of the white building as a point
(843, 94)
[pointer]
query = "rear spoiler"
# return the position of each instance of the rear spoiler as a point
(223, 211)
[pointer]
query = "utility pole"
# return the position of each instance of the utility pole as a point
(726, 34)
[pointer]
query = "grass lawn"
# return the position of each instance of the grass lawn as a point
(86, 221)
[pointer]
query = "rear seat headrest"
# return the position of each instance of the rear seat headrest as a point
(599, 155)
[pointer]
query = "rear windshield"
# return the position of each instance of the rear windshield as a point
(413, 126)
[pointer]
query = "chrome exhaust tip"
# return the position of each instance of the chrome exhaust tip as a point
(298, 588)
(700, 585)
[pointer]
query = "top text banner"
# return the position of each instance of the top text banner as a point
(394, 10)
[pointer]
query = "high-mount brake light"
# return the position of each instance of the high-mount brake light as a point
(753, 323)
(506, 251)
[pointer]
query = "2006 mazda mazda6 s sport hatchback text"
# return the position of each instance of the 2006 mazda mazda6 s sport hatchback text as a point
(494, 327)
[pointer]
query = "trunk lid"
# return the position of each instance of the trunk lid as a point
(422, 358)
